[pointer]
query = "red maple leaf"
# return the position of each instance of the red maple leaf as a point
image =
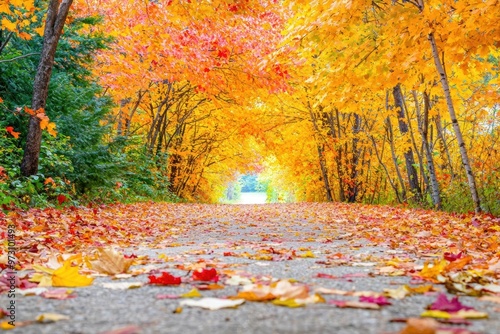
(443, 304)
(452, 257)
(381, 301)
(223, 53)
(61, 199)
(164, 279)
(206, 275)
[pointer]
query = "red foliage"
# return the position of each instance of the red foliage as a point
(206, 275)
(164, 279)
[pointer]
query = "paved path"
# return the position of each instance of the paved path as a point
(252, 198)
(253, 234)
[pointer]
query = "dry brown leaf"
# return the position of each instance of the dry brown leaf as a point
(111, 262)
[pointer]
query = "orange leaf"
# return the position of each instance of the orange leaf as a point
(458, 264)
(14, 134)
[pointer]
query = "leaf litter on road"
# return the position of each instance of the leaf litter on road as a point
(65, 248)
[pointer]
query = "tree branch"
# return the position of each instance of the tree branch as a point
(18, 57)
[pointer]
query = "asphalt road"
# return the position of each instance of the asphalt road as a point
(248, 229)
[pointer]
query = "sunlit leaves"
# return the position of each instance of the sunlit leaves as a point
(68, 276)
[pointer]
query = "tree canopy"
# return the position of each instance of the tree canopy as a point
(356, 101)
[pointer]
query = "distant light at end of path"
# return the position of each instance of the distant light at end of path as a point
(252, 198)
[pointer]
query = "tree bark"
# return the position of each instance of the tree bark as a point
(321, 156)
(458, 133)
(54, 23)
(409, 159)
(423, 126)
(353, 186)
(390, 137)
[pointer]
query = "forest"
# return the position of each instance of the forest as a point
(376, 102)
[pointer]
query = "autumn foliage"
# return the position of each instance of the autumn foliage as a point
(375, 102)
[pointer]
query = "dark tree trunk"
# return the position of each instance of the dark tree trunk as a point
(353, 186)
(54, 23)
(409, 159)
(424, 129)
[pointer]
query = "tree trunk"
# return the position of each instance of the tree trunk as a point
(456, 127)
(379, 158)
(390, 137)
(409, 159)
(424, 183)
(423, 126)
(353, 186)
(54, 23)
(321, 156)
(440, 135)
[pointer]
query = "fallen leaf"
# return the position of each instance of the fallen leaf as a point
(420, 289)
(286, 290)
(32, 291)
(353, 304)
(51, 317)
(164, 279)
(167, 296)
(381, 301)
(256, 292)
(322, 275)
(452, 257)
(443, 304)
(206, 275)
(464, 314)
(287, 302)
(238, 280)
(307, 254)
(420, 326)
(398, 293)
(431, 271)
(6, 326)
(327, 291)
(58, 294)
(493, 299)
(122, 285)
(193, 293)
(68, 276)
(213, 303)
(213, 286)
(111, 262)
(130, 329)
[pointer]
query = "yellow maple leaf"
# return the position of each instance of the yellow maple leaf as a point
(257, 294)
(51, 317)
(462, 314)
(194, 293)
(44, 120)
(17, 3)
(432, 272)
(39, 30)
(287, 302)
(8, 25)
(307, 254)
(4, 8)
(69, 276)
